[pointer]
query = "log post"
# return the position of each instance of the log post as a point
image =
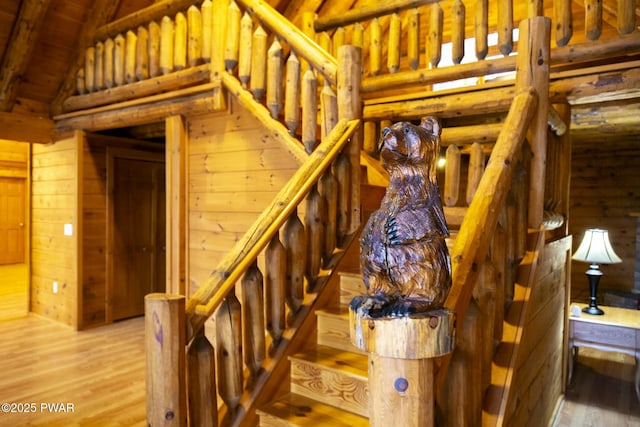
(402, 352)
(165, 350)
(219, 32)
(532, 70)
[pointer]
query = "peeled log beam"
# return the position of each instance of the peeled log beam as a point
(169, 82)
(362, 14)
(23, 127)
(304, 47)
(142, 17)
(196, 100)
(19, 48)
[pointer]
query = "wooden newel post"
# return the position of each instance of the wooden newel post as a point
(402, 352)
(165, 349)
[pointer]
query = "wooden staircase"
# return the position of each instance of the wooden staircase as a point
(328, 382)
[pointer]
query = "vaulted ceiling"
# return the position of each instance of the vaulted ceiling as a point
(41, 41)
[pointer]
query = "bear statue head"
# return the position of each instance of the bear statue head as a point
(407, 144)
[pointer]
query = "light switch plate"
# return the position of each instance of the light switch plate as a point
(68, 229)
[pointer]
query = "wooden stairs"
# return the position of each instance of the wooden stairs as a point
(328, 382)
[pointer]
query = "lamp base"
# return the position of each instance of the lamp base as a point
(592, 310)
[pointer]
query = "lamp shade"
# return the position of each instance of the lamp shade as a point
(596, 248)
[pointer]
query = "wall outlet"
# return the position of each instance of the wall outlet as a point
(55, 287)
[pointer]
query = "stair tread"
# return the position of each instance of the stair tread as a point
(335, 359)
(297, 410)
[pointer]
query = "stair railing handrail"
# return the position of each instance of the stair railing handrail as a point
(304, 46)
(223, 278)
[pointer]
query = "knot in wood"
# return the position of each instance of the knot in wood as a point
(372, 325)
(433, 322)
(168, 416)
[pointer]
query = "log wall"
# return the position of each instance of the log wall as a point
(235, 168)
(539, 373)
(54, 256)
(605, 190)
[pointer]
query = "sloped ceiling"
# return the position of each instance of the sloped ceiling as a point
(40, 41)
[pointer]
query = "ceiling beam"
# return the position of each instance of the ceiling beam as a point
(26, 128)
(21, 44)
(102, 12)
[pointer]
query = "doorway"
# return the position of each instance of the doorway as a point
(12, 220)
(136, 235)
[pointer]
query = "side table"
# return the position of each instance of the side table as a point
(618, 329)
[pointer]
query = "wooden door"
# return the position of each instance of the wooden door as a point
(12, 217)
(137, 245)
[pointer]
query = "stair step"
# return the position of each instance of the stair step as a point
(350, 285)
(333, 328)
(297, 410)
(333, 377)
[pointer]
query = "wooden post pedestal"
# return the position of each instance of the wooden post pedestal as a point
(401, 363)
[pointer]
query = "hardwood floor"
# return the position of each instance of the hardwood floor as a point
(98, 375)
(14, 294)
(602, 392)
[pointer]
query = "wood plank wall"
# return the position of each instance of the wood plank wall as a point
(605, 190)
(53, 255)
(14, 158)
(234, 169)
(538, 378)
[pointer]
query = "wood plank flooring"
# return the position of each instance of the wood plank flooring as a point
(602, 392)
(98, 375)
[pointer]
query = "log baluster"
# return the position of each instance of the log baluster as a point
(109, 52)
(258, 63)
(292, 94)
(476, 168)
(194, 36)
(375, 47)
(393, 45)
(338, 39)
(562, 21)
(329, 109)
(434, 38)
(90, 69)
(166, 45)
(295, 242)
(357, 35)
(154, 49)
(274, 78)
(99, 73)
(232, 43)
(452, 175)
(505, 26)
(593, 19)
(131, 43)
(325, 42)
(484, 294)
(626, 16)
(201, 377)
(180, 42)
(370, 138)
(80, 83)
(206, 10)
(253, 309)
(276, 275)
(343, 175)
(535, 8)
(244, 54)
(413, 39)
(142, 54)
(309, 110)
(457, 31)
(510, 251)
(229, 351)
(315, 219)
(481, 28)
(119, 54)
(498, 258)
(328, 186)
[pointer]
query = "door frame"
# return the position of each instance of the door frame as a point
(114, 153)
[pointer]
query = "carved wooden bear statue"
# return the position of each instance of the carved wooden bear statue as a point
(404, 258)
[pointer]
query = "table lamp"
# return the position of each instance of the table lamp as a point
(595, 249)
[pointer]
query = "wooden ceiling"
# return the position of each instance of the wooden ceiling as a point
(38, 54)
